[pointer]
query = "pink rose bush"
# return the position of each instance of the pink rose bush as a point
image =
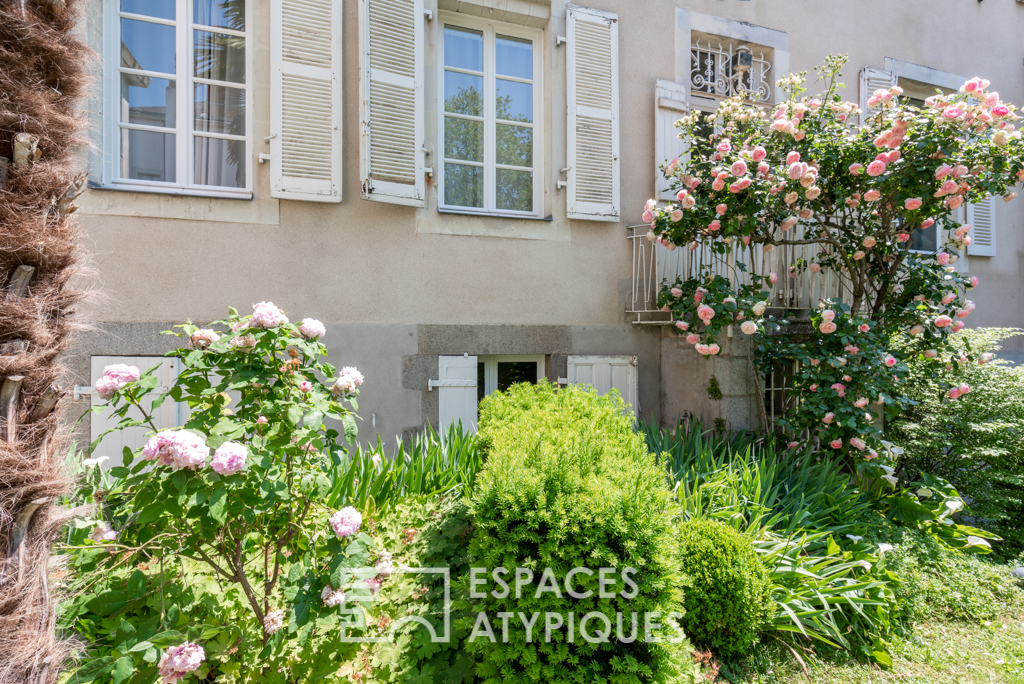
(312, 329)
(229, 458)
(178, 661)
(346, 522)
(845, 188)
(114, 379)
(177, 449)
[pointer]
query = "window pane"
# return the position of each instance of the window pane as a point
(219, 109)
(147, 101)
(463, 49)
(463, 185)
(924, 240)
(514, 372)
(463, 93)
(480, 377)
(220, 162)
(515, 191)
(514, 145)
(146, 155)
(161, 9)
(225, 13)
(514, 57)
(148, 46)
(463, 139)
(219, 57)
(514, 101)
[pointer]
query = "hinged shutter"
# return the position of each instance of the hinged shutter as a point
(605, 373)
(982, 217)
(457, 403)
(669, 107)
(870, 81)
(593, 104)
(391, 85)
(167, 415)
(305, 97)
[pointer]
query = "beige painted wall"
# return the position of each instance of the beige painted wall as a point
(366, 262)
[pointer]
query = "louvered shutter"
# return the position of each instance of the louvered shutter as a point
(982, 216)
(669, 107)
(605, 373)
(391, 79)
(457, 402)
(593, 126)
(305, 97)
(167, 415)
(871, 80)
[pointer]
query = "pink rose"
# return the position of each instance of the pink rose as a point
(814, 387)
(202, 339)
(312, 329)
(724, 146)
(903, 237)
(942, 258)
(702, 349)
(713, 349)
(828, 315)
(954, 393)
(1000, 111)
(763, 169)
(266, 315)
(647, 216)
(836, 444)
(178, 661)
(828, 418)
(863, 327)
(861, 403)
(721, 209)
(683, 325)
(749, 327)
(793, 157)
(714, 225)
(741, 184)
(947, 298)
(954, 202)
(974, 282)
(869, 242)
(262, 420)
(229, 458)
(943, 171)
(676, 216)
(964, 389)
(857, 443)
(758, 154)
(676, 292)
(789, 223)
(793, 445)
(913, 203)
(306, 386)
(943, 321)
(773, 277)
(346, 522)
(876, 168)
(855, 169)
(692, 339)
(718, 185)
(739, 168)
(840, 389)
(872, 195)
(889, 360)
(814, 268)
(114, 379)
(927, 223)
(177, 449)
(705, 313)
(827, 327)
(957, 327)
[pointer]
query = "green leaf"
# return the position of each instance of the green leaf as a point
(179, 479)
(123, 670)
(150, 513)
(351, 431)
(136, 587)
(219, 505)
(94, 669)
(169, 638)
(108, 603)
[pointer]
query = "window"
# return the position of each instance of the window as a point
(489, 119)
(723, 68)
(177, 93)
(498, 373)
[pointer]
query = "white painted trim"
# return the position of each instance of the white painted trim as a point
(491, 367)
(688, 21)
(924, 74)
(490, 30)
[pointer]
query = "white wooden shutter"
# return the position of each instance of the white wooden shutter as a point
(167, 415)
(871, 80)
(457, 403)
(669, 107)
(593, 104)
(305, 97)
(982, 217)
(392, 59)
(605, 373)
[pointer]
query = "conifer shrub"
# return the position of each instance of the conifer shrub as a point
(569, 484)
(727, 591)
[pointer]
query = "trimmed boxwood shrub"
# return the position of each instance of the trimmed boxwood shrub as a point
(568, 483)
(726, 587)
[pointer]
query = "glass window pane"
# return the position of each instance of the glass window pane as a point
(224, 13)
(219, 57)
(514, 145)
(514, 57)
(480, 378)
(147, 101)
(147, 155)
(219, 109)
(463, 49)
(161, 9)
(220, 162)
(463, 93)
(515, 372)
(463, 139)
(515, 190)
(464, 185)
(149, 46)
(924, 240)
(514, 101)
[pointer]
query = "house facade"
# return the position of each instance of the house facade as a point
(452, 186)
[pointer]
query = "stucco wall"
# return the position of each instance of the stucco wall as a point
(381, 267)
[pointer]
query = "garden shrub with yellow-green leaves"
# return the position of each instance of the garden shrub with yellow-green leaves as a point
(569, 484)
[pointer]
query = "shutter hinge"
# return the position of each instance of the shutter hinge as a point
(563, 381)
(264, 157)
(431, 384)
(81, 391)
(429, 14)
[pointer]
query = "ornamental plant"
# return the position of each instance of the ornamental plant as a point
(221, 552)
(854, 185)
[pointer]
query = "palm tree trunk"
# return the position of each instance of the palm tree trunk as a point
(42, 78)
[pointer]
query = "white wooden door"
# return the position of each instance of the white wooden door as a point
(605, 373)
(457, 393)
(168, 415)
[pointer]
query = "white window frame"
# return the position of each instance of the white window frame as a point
(490, 30)
(491, 367)
(184, 115)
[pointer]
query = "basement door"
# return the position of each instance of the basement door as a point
(607, 373)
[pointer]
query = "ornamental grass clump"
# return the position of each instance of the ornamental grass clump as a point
(575, 509)
(224, 549)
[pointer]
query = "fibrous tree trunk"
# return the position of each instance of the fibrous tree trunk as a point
(42, 78)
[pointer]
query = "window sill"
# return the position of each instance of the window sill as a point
(180, 192)
(485, 214)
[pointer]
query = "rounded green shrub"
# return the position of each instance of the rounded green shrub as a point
(727, 592)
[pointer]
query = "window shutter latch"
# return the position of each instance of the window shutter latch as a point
(431, 384)
(560, 41)
(561, 184)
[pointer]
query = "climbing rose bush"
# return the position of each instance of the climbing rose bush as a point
(232, 519)
(856, 186)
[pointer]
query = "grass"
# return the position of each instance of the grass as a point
(937, 653)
